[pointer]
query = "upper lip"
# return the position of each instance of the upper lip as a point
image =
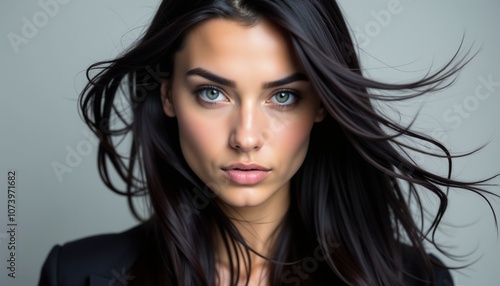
(246, 167)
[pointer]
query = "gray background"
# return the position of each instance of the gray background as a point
(399, 40)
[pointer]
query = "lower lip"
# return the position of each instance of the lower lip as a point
(246, 177)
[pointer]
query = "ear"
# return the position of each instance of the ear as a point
(166, 98)
(320, 113)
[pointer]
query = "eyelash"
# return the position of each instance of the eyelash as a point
(292, 92)
(198, 90)
(289, 106)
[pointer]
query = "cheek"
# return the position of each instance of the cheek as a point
(193, 134)
(200, 139)
(292, 141)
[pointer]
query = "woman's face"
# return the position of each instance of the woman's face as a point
(245, 110)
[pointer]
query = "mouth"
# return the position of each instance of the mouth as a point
(246, 174)
(246, 167)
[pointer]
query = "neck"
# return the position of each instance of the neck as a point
(259, 226)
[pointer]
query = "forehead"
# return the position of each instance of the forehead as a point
(230, 45)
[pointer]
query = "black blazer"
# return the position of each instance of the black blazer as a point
(104, 260)
(101, 260)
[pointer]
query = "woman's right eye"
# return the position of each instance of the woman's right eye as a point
(210, 95)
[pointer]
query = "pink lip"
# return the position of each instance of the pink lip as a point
(244, 174)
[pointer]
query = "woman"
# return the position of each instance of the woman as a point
(262, 157)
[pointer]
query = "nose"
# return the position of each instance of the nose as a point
(247, 132)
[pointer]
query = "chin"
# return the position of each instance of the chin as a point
(243, 198)
(261, 199)
(243, 202)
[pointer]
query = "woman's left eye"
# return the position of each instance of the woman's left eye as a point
(284, 98)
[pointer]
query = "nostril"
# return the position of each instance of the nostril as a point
(251, 146)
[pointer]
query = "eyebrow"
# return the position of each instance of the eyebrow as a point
(297, 76)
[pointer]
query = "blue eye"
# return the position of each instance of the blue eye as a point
(210, 94)
(284, 98)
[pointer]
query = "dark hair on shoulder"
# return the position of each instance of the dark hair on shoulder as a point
(349, 198)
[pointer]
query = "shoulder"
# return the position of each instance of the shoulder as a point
(416, 271)
(95, 260)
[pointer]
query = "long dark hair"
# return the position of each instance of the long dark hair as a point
(349, 212)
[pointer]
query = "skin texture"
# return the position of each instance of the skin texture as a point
(242, 122)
